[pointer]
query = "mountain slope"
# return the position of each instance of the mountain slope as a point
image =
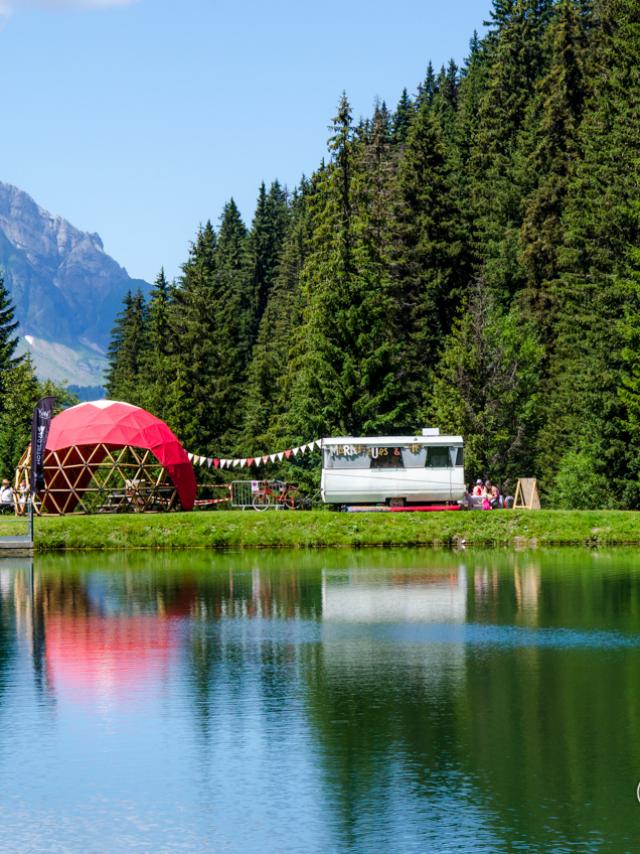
(65, 288)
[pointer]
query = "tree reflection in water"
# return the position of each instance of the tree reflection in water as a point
(490, 699)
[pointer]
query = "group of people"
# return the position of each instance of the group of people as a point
(487, 495)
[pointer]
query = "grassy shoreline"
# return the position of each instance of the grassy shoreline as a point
(323, 529)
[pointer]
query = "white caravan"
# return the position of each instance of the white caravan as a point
(393, 469)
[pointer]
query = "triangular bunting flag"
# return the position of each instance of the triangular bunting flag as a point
(265, 459)
(209, 462)
(295, 452)
(280, 455)
(216, 463)
(250, 461)
(272, 457)
(190, 456)
(318, 442)
(288, 454)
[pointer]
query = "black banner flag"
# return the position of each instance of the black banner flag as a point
(42, 415)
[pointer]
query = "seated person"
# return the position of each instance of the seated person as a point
(495, 498)
(478, 489)
(6, 495)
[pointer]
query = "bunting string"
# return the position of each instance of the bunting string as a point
(259, 460)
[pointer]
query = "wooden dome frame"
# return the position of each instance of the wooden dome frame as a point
(100, 478)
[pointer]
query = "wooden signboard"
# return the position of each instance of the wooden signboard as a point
(527, 497)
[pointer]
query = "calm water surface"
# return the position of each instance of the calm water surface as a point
(408, 701)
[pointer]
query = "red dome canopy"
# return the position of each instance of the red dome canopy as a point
(118, 424)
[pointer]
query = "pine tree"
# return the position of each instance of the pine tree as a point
(157, 369)
(402, 118)
(347, 380)
(516, 59)
(234, 325)
(445, 100)
(195, 327)
(268, 231)
(550, 146)
(486, 388)
(267, 399)
(126, 351)
(427, 89)
(8, 327)
(427, 263)
(21, 393)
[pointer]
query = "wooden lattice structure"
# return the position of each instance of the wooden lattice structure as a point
(98, 478)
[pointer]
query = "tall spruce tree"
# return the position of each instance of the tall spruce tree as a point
(487, 388)
(234, 319)
(550, 149)
(347, 379)
(268, 230)
(158, 370)
(427, 259)
(194, 325)
(516, 59)
(267, 398)
(8, 328)
(402, 118)
(125, 377)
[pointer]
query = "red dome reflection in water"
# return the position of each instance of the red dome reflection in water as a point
(95, 658)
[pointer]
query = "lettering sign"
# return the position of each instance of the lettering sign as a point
(42, 415)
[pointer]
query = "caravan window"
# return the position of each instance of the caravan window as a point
(387, 458)
(414, 456)
(438, 458)
(336, 458)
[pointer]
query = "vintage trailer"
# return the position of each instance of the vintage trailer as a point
(393, 469)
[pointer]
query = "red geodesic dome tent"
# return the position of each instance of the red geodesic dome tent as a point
(86, 436)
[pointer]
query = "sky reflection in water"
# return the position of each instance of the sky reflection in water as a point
(400, 701)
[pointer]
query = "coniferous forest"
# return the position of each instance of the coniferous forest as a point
(467, 258)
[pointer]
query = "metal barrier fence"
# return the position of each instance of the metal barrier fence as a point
(263, 494)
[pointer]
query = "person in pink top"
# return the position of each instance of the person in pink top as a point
(478, 489)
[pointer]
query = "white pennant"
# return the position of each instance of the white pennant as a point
(280, 456)
(209, 462)
(318, 442)
(190, 456)
(272, 457)
(296, 451)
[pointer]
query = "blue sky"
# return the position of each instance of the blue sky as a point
(138, 119)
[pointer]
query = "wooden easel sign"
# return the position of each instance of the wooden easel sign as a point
(527, 497)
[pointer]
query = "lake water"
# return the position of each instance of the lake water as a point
(409, 701)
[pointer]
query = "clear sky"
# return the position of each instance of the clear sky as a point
(138, 119)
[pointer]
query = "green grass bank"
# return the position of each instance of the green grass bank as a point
(319, 529)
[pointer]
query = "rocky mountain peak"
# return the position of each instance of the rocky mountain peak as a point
(64, 286)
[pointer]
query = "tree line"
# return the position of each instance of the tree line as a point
(469, 259)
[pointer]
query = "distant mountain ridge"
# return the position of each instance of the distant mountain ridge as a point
(65, 288)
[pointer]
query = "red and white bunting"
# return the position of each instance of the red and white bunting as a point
(247, 462)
